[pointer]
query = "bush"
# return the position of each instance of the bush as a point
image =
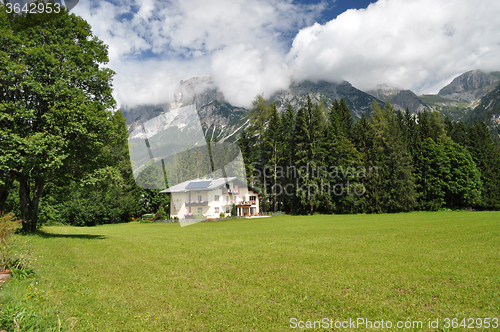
(8, 226)
(222, 215)
(160, 214)
(199, 216)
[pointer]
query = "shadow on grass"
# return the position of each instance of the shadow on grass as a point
(70, 236)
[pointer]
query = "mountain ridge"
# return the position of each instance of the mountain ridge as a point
(220, 119)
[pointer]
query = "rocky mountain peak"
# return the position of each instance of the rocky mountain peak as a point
(470, 86)
(407, 99)
(384, 92)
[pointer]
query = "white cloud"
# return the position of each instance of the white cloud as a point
(241, 43)
(419, 44)
(245, 44)
(242, 72)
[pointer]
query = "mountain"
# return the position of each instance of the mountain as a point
(407, 99)
(470, 86)
(399, 99)
(488, 111)
(470, 95)
(384, 92)
(358, 101)
(220, 119)
(458, 99)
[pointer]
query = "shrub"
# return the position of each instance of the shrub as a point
(160, 214)
(233, 211)
(8, 226)
(222, 215)
(198, 216)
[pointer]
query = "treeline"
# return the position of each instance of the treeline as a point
(317, 159)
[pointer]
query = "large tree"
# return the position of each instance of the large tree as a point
(55, 103)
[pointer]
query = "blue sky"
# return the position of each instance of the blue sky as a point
(252, 47)
(335, 8)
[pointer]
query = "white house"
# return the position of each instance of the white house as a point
(210, 197)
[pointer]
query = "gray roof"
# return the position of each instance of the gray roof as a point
(203, 185)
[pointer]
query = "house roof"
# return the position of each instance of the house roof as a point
(204, 185)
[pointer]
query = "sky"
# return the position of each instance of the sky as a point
(252, 47)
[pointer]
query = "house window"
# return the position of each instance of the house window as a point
(216, 198)
(227, 199)
(200, 198)
(253, 198)
(216, 209)
(228, 210)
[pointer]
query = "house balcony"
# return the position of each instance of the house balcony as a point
(230, 191)
(246, 203)
(197, 203)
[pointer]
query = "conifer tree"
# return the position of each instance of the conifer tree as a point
(273, 150)
(287, 161)
(366, 143)
(487, 158)
(302, 157)
(345, 117)
(341, 157)
(398, 193)
(258, 119)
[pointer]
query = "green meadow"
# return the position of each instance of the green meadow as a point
(258, 274)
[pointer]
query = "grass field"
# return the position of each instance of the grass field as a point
(257, 274)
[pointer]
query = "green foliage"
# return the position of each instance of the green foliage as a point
(233, 211)
(160, 214)
(55, 114)
(8, 226)
(22, 261)
(409, 160)
(26, 307)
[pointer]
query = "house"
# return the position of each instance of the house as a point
(210, 197)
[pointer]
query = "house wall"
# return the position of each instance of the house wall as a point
(178, 206)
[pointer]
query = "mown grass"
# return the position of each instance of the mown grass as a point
(257, 274)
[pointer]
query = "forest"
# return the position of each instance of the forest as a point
(319, 160)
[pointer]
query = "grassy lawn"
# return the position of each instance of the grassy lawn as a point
(257, 274)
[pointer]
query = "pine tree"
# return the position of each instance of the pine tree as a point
(258, 119)
(287, 151)
(272, 146)
(398, 183)
(345, 118)
(487, 158)
(302, 156)
(342, 158)
(246, 147)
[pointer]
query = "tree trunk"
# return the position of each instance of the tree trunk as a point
(24, 202)
(29, 206)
